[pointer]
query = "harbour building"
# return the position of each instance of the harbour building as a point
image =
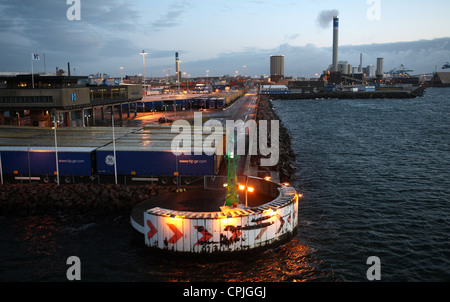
(70, 100)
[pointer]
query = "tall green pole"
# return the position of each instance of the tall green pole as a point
(232, 197)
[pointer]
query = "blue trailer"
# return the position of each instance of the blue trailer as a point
(155, 163)
(40, 161)
(200, 103)
(181, 103)
(154, 106)
(220, 102)
(212, 103)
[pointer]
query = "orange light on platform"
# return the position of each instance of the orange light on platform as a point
(173, 218)
(268, 178)
(269, 212)
(241, 187)
(251, 189)
(286, 184)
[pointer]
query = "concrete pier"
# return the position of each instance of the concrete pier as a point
(381, 94)
(188, 224)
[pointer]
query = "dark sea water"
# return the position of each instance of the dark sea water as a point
(376, 180)
(375, 175)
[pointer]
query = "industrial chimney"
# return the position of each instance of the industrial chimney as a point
(380, 63)
(360, 63)
(335, 43)
(68, 68)
(177, 68)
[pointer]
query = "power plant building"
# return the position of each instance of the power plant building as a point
(344, 67)
(379, 72)
(337, 69)
(369, 71)
(276, 67)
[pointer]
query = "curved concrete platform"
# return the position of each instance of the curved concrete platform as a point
(196, 223)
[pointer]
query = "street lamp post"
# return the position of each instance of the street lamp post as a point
(114, 144)
(177, 172)
(56, 149)
(29, 164)
(143, 53)
(247, 190)
(1, 169)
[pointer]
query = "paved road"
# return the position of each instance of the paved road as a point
(243, 109)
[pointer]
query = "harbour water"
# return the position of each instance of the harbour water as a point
(375, 179)
(376, 183)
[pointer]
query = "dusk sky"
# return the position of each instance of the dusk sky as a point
(221, 36)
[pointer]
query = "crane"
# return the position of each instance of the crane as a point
(400, 71)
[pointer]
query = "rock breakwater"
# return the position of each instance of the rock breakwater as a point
(287, 162)
(78, 199)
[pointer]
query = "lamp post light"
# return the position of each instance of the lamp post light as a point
(55, 124)
(178, 75)
(87, 117)
(143, 53)
(175, 105)
(247, 190)
(29, 164)
(1, 169)
(177, 173)
(114, 144)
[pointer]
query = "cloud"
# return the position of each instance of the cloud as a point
(325, 17)
(119, 15)
(172, 17)
(106, 30)
(110, 31)
(421, 56)
(288, 38)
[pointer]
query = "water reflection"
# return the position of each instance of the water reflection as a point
(292, 262)
(36, 249)
(39, 234)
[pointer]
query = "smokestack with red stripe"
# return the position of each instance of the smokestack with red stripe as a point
(335, 43)
(177, 68)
